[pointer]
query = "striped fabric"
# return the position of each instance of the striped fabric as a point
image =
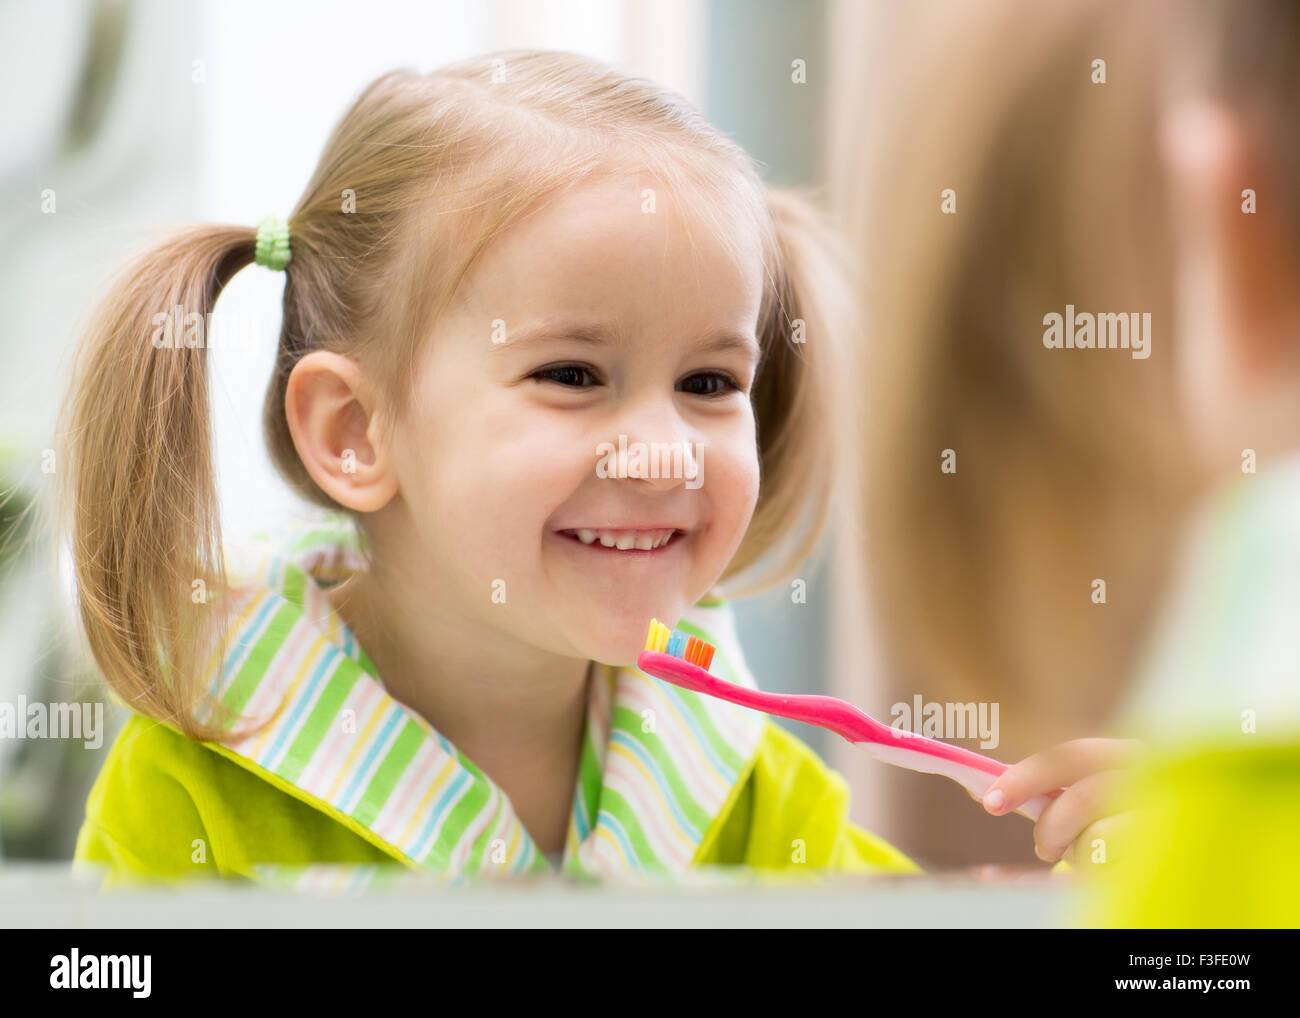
(646, 793)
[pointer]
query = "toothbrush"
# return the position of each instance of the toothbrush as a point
(684, 661)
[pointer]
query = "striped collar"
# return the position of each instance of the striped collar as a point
(658, 765)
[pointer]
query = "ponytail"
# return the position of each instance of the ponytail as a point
(138, 495)
(805, 327)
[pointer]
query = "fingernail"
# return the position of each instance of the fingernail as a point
(1039, 852)
(994, 800)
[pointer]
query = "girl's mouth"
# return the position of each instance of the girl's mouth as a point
(626, 542)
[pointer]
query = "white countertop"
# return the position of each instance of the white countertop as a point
(49, 896)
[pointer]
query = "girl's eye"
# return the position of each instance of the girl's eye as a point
(706, 383)
(567, 375)
(715, 383)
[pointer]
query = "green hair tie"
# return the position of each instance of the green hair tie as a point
(273, 243)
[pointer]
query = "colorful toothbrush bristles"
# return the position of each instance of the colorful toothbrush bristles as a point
(689, 648)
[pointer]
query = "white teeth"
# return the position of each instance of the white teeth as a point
(625, 540)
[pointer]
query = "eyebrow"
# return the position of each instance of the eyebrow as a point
(596, 335)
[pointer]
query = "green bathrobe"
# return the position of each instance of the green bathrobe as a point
(344, 774)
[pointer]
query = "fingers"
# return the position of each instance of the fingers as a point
(1081, 806)
(1055, 768)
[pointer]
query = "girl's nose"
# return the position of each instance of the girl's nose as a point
(656, 446)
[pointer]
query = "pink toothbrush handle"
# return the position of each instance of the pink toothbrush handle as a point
(890, 745)
(975, 772)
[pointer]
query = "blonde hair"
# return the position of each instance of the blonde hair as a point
(1068, 462)
(439, 164)
(1071, 463)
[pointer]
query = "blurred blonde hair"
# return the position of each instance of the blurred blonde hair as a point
(439, 164)
(1069, 463)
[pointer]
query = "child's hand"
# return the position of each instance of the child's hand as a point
(1090, 771)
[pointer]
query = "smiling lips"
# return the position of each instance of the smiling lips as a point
(625, 540)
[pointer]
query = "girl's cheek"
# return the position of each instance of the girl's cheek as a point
(732, 481)
(737, 456)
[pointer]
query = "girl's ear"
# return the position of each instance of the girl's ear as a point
(331, 411)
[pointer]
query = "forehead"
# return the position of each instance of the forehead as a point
(624, 245)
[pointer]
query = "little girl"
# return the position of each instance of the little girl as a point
(497, 270)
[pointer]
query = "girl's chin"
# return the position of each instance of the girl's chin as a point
(619, 647)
